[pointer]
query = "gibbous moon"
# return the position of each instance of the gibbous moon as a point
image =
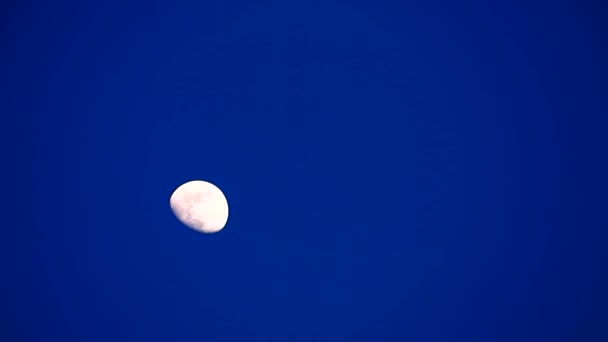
(201, 206)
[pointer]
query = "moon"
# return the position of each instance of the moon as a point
(201, 206)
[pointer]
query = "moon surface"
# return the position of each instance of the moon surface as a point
(201, 206)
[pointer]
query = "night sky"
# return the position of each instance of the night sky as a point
(396, 171)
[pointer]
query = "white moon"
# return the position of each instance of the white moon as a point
(201, 206)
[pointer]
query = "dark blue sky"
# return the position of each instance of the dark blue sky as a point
(430, 171)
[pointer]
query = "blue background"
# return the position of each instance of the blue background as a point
(420, 171)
